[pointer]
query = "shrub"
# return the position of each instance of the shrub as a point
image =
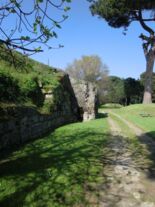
(9, 88)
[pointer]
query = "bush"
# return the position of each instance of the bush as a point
(25, 84)
(9, 88)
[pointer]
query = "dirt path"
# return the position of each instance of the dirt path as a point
(127, 186)
(138, 132)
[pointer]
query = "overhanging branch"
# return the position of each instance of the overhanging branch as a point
(141, 20)
(19, 47)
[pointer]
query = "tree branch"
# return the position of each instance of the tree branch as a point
(7, 43)
(141, 20)
(31, 25)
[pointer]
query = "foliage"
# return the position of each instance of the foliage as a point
(133, 91)
(9, 88)
(123, 91)
(121, 13)
(32, 25)
(24, 85)
(88, 68)
(15, 59)
(59, 170)
(115, 91)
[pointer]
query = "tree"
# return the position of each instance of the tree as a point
(32, 23)
(88, 68)
(121, 13)
(115, 91)
(142, 80)
(133, 91)
(103, 88)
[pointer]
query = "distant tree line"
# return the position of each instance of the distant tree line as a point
(125, 91)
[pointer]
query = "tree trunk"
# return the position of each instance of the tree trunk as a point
(147, 98)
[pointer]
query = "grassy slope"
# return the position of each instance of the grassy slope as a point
(59, 170)
(133, 113)
(20, 85)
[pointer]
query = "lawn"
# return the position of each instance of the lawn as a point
(62, 169)
(141, 115)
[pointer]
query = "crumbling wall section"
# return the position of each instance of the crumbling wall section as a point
(86, 95)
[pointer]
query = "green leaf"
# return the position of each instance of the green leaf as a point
(64, 16)
(39, 1)
(55, 34)
(37, 49)
(35, 27)
(67, 8)
(57, 25)
(25, 37)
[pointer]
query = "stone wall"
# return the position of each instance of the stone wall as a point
(77, 101)
(21, 124)
(86, 95)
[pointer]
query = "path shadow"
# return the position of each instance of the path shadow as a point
(148, 140)
(102, 115)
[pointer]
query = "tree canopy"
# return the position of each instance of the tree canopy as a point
(92, 69)
(25, 25)
(121, 13)
(115, 91)
(122, 91)
(88, 68)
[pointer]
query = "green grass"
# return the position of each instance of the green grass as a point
(111, 105)
(133, 114)
(60, 170)
(126, 131)
(24, 83)
(140, 154)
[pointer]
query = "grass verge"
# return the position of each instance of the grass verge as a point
(59, 170)
(134, 114)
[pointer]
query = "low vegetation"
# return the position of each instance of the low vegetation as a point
(110, 105)
(63, 169)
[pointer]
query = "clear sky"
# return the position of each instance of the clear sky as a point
(83, 34)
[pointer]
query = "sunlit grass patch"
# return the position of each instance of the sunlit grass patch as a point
(134, 113)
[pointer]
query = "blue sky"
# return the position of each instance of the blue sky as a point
(82, 34)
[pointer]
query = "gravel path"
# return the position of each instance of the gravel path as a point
(126, 185)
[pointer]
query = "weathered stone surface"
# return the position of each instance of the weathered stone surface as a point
(21, 124)
(86, 94)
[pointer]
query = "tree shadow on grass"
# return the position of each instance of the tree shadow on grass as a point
(151, 134)
(52, 171)
(102, 115)
(148, 140)
(60, 170)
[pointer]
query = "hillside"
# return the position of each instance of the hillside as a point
(24, 81)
